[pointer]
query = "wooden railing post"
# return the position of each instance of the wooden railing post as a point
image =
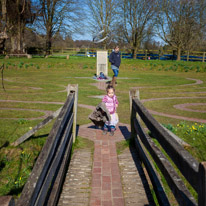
(74, 88)
(133, 94)
(188, 56)
(202, 184)
(203, 57)
(145, 54)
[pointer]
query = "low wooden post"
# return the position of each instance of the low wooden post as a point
(188, 56)
(133, 94)
(145, 54)
(85, 52)
(74, 89)
(202, 184)
(203, 57)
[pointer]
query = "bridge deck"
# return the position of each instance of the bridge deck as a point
(107, 178)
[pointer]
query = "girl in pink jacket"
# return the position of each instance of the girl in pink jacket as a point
(111, 103)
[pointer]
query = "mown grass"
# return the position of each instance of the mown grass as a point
(45, 80)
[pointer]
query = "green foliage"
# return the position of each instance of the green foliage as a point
(26, 66)
(121, 146)
(169, 127)
(194, 134)
(20, 66)
(16, 183)
(198, 68)
(22, 121)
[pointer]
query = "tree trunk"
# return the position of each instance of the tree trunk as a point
(48, 43)
(13, 44)
(178, 54)
(4, 37)
(4, 11)
(20, 36)
(17, 43)
(17, 38)
(134, 52)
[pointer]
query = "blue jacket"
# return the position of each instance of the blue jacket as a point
(115, 58)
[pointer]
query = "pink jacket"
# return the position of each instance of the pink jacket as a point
(110, 103)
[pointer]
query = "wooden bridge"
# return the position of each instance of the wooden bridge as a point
(106, 178)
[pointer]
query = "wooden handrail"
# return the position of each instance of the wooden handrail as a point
(184, 161)
(191, 169)
(46, 179)
(183, 196)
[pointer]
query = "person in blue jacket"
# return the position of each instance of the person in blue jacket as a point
(115, 59)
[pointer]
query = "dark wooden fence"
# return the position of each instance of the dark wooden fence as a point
(46, 179)
(193, 171)
(91, 52)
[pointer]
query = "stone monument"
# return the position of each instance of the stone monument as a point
(102, 62)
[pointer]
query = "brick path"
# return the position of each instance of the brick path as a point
(106, 179)
(107, 188)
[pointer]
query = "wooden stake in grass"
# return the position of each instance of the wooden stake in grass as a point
(36, 128)
(2, 76)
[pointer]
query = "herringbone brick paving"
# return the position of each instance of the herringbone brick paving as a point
(76, 189)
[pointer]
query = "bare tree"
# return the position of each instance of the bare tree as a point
(201, 7)
(178, 23)
(103, 17)
(3, 34)
(15, 15)
(56, 16)
(136, 21)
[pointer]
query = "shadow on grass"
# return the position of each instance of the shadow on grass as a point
(5, 144)
(15, 191)
(39, 136)
(36, 137)
(138, 164)
(2, 165)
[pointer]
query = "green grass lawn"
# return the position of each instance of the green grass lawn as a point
(37, 80)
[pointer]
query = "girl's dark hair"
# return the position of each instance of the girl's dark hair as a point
(110, 87)
(116, 46)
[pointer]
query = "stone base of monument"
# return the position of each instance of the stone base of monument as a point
(103, 80)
